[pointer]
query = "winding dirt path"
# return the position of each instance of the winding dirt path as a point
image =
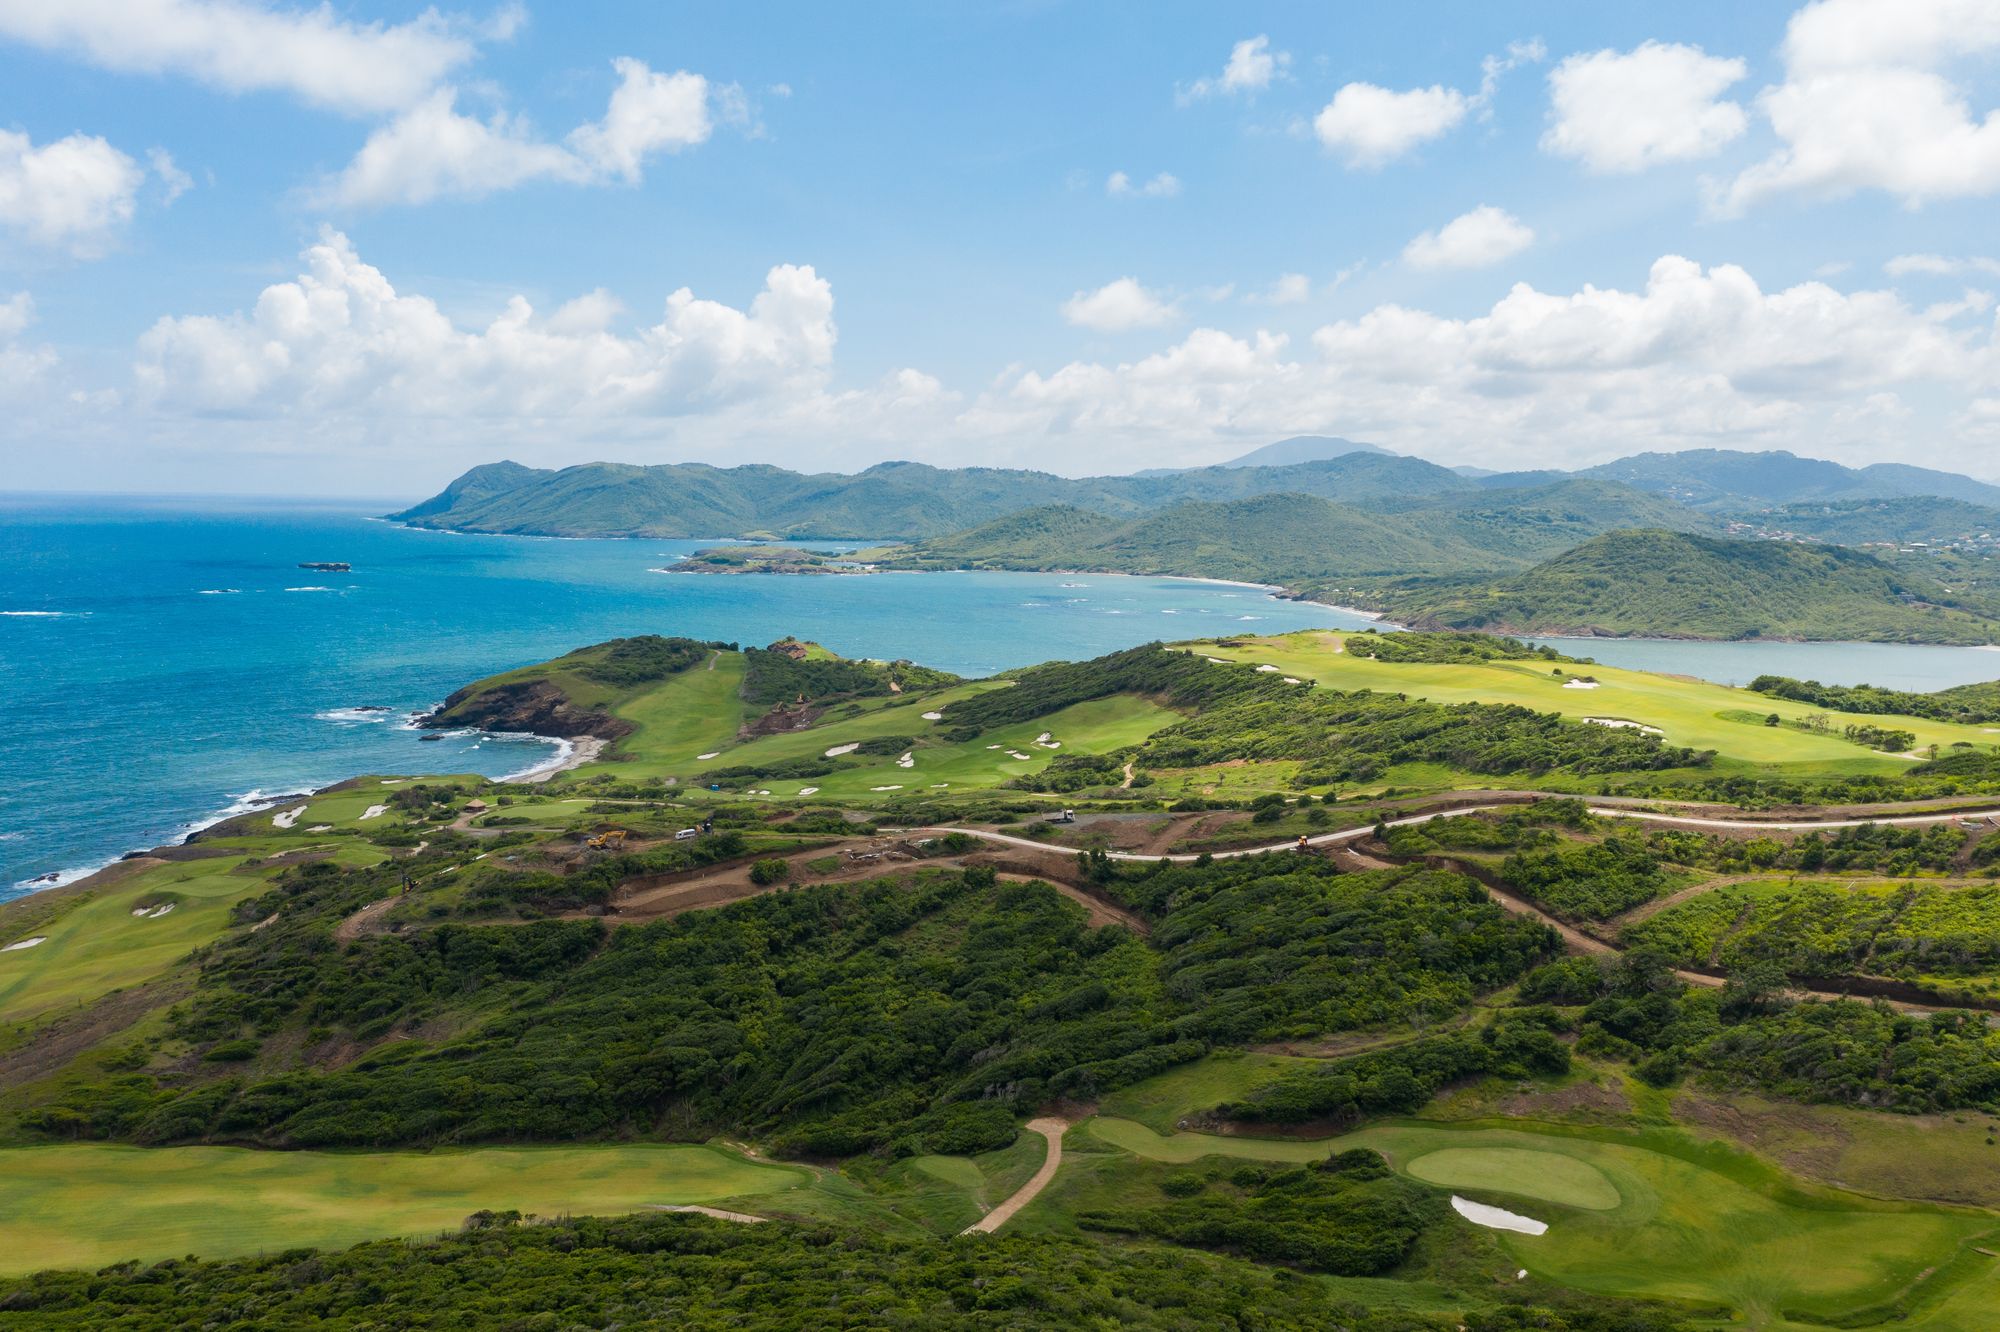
(1052, 1129)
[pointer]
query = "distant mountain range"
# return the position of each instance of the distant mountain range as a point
(1642, 545)
(914, 500)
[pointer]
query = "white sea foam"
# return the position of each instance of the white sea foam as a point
(369, 716)
(37, 615)
(220, 591)
(308, 589)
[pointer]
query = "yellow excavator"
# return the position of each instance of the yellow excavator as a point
(608, 841)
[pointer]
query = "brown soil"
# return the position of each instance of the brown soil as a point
(66, 1037)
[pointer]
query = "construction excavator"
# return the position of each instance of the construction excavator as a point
(608, 841)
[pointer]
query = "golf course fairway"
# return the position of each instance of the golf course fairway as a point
(1660, 1214)
(86, 1205)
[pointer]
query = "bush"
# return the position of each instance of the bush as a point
(767, 872)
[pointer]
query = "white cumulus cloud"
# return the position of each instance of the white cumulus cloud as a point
(1872, 99)
(340, 340)
(1117, 307)
(1371, 125)
(433, 150)
(1163, 185)
(649, 113)
(1484, 236)
(242, 46)
(71, 194)
(1627, 111)
(1251, 68)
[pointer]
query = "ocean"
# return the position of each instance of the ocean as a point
(164, 662)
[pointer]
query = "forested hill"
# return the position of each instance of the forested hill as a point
(1658, 583)
(911, 500)
(896, 499)
(1303, 542)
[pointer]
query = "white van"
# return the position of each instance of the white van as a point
(684, 835)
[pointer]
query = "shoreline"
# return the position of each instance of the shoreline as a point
(568, 755)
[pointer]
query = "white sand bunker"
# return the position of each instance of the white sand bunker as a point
(705, 757)
(1017, 754)
(885, 788)
(25, 943)
(1218, 661)
(848, 748)
(153, 913)
(933, 716)
(808, 790)
(1046, 742)
(1497, 1218)
(1267, 669)
(907, 761)
(1579, 684)
(1622, 724)
(321, 827)
(288, 818)
(1291, 679)
(373, 812)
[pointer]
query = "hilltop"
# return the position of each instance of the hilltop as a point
(1675, 584)
(909, 500)
(1300, 542)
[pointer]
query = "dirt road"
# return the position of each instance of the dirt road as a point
(1051, 1129)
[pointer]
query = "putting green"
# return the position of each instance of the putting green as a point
(1548, 1176)
(84, 1206)
(1687, 1222)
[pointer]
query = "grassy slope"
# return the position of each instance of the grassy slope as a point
(1690, 712)
(1635, 1214)
(86, 1205)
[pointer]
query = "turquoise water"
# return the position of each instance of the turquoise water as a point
(162, 663)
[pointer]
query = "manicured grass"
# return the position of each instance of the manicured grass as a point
(1549, 1176)
(98, 945)
(692, 712)
(1689, 712)
(1180, 1148)
(88, 1205)
(1689, 1221)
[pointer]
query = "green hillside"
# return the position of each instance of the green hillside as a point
(896, 499)
(1302, 542)
(1724, 479)
(1923, 518)
(1656, 583)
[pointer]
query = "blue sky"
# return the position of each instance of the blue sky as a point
(1510, 235)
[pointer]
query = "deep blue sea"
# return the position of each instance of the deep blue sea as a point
(163, 662)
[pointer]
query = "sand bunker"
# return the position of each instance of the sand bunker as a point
(153, 913)
(288, 818)
(1496, 1218)
(885, 788)
(1579, 684)
(838, 750)
(933, 716)
(705, 757)
(374, 812)
(907, 761)
(808, 790)
(1641, 727)
(25, 943)
(1267, 669)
